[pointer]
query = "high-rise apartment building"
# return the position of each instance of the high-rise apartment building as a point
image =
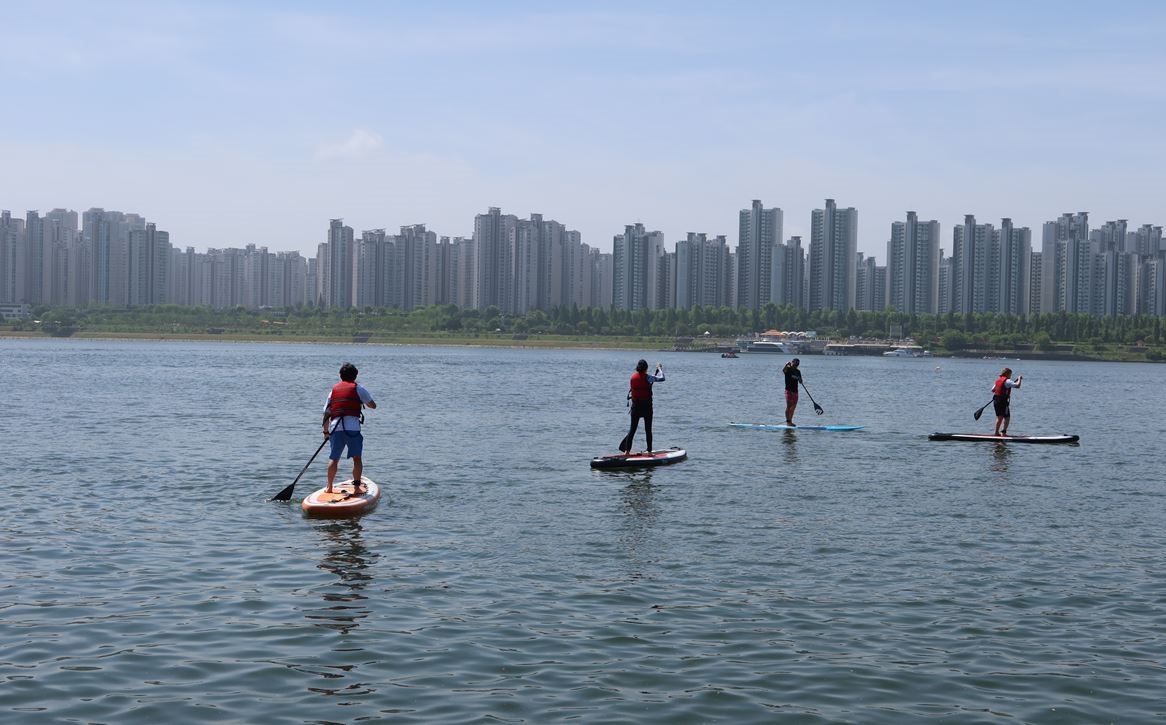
(870, 284)
(1013, 257)
(913, 266)
(495, 235)
(789, 274)
(759, 235)
(702, 272)
(833, 250)
(11, 235)
(340, 282)
(1066, 264)
(973, 276)
(636, 268)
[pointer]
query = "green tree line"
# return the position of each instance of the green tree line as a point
(951, 331)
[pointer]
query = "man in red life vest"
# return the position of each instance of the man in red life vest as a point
(342, 414)
(640, 393)
(1002, 398)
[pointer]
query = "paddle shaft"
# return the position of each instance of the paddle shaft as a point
(286, 493)
(817, 408)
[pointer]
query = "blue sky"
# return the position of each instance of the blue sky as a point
(256, 122)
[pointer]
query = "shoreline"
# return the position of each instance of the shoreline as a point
(531, 343)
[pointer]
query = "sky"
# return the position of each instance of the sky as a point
(234, 123)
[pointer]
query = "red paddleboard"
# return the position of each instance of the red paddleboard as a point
(342, 501)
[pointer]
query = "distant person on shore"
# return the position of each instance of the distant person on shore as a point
(640, 394)
(342, 418)
(1002, 398)
(793, 376)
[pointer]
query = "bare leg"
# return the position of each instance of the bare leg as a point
(332, 465)
(1004, 430)
(357, 470)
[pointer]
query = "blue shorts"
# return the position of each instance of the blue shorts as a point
(342, 438)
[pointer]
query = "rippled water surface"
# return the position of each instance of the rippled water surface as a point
(871, 576)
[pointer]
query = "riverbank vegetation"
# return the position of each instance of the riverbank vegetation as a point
(1124, 337)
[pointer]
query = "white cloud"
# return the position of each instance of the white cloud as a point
(359, 144)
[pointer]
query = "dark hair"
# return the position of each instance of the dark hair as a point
(348, 372)
(1006, 372)
(795, 361)
(642, 366)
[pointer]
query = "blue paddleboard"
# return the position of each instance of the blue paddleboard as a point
(783, 426)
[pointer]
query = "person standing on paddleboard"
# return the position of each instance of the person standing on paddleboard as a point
(342, 417)
(793, 376)
(640, 393)
(1002, 399)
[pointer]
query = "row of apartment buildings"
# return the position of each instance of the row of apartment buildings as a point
(108, 257)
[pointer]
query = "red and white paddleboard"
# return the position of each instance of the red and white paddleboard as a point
(1002, 438)
(639, 460)
(342, 501)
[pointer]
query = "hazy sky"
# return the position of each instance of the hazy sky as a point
(230, 123)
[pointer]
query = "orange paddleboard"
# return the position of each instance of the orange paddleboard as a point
(342, 501)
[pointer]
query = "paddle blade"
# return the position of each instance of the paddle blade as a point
(818, 409)
(285, 494)
(978, 413)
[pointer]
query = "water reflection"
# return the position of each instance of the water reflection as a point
(1001, 452)
(640, 512)
(789, 448)
(346, 556)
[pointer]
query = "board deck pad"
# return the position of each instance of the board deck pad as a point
(783, 426)
(342, 501)
(1063, 438)
(641, 459)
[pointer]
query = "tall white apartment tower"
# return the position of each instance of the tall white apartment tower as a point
(833, 251)
(340, 281)
(1065, 264)
(759, 234)
(973, 281)
(636, 268)
(495, 235)
(789, 274)
(11, 230)
(1015, 255)
(702, 271)
(913, 266)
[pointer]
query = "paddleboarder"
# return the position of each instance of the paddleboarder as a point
(1002, 398)
(793, 376)
(342, 416)
(640, 394)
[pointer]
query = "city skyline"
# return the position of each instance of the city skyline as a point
(247, 125)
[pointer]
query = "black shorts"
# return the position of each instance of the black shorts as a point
(1000, 405)
(642, 409)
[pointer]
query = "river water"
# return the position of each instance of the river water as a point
(869, 576)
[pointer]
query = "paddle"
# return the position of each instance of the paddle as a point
(817, 408)
(285, 494)
(980, 412)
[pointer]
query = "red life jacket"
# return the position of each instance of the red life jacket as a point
(641, 389)
(344, 400)
(1001, 390)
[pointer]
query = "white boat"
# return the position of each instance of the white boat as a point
(770, 346)
(907, 352)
